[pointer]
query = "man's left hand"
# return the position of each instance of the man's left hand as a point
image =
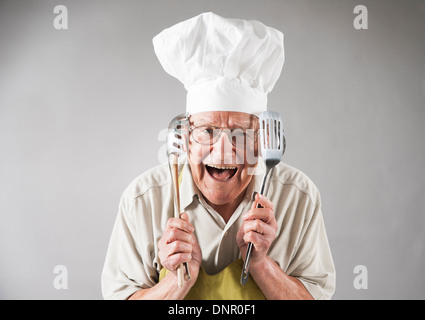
(259, 227)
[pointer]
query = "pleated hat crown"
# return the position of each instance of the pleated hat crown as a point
(224, 64)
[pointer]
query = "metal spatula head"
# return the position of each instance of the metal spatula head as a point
(177, 135)
(272, 146)
(272, 137)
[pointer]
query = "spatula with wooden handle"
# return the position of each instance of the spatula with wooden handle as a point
(176, 137)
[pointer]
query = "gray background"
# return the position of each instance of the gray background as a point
(81, 114)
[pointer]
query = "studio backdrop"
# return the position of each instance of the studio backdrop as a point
(84, 105)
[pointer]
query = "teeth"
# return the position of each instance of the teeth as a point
(222, 168)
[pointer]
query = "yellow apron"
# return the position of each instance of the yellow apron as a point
(224, 285)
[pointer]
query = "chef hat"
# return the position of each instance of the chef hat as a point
(224, 64)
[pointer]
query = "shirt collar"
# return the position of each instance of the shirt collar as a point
(188, 187)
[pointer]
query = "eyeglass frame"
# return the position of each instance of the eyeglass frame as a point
(229, 135)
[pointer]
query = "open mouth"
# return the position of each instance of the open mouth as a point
(221, 173)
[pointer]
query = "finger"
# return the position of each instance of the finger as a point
(184, 216)
(265, 214)
(196, 251)
(258, 226)
(174, 247)
(179, 247)
(181, 224)
(260, 242)
(263, 201)
(175, 260)
(239, 237)
(174, 234)
(174, 253)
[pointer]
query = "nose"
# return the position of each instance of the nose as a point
(223, 150)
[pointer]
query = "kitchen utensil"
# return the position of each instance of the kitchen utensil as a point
(272, 144)
(176, 137)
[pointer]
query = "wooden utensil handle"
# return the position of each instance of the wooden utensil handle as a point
(175, 175)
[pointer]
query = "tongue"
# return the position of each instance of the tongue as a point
(221, 174)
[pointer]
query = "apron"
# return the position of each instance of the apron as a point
(224, 285)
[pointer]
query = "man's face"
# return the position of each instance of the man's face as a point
(222, 170)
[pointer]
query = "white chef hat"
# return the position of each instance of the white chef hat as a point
(224, 64)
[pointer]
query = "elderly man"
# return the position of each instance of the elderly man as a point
(228, 67)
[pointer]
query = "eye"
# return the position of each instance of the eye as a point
(238, 133)
(205, 134)
(207, 131)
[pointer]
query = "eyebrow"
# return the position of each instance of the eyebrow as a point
(243, 124)
(235, 125)
(248, 123)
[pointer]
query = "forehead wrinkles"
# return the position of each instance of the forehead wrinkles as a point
(224, 120)
(202, 120)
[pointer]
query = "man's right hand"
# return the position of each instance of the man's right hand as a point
(178, 245)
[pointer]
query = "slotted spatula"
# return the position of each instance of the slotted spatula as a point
(272, 146)
(176, 137)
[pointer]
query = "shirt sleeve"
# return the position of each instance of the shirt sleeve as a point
(124, 271)
(313, 264)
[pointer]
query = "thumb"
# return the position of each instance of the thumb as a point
(184, 216)
(256, 203)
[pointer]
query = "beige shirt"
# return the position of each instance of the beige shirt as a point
(301, 248)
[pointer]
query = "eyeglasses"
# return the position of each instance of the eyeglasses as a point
(209, 135)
